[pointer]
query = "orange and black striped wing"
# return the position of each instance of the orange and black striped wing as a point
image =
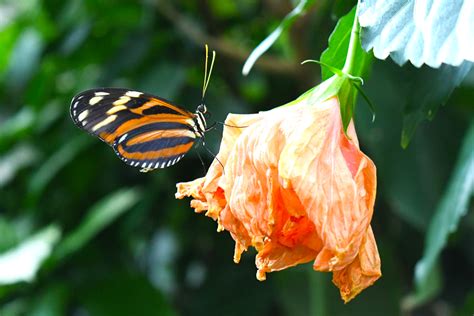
(145, 131)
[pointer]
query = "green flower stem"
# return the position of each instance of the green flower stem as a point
(317, 291)
(353, 42)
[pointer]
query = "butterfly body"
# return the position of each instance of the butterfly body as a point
(144, 130)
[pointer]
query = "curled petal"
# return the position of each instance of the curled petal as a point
(297, 188)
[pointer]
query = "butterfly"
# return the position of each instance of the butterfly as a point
(144, 130)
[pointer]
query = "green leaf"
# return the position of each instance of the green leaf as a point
(295, 286)
(451, 208)
(8, 35)
(25, 58)
(124, 294)
(430, 88)
(422, 32)
(21, 263)
(318, 286)
(55, 163)
(338, 44)
(16, 126)
(19, 157)
(353, 61)
(431, 286)
(302, 6)
(325, 89)
(425, 163)
(8, 234)
(51, 301)
(98, 217)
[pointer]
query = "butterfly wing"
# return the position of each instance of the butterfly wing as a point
(145, 131)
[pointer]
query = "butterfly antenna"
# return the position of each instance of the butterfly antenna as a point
(207, 74)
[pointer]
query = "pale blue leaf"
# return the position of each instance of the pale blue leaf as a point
(428, 32)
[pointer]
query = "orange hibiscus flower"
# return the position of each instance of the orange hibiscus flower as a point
(298, 189)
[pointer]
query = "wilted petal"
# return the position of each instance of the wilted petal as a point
(296, 188)
(362, 272)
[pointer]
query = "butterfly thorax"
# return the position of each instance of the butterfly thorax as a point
(200, 124)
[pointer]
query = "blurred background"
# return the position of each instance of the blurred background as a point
(81, 233)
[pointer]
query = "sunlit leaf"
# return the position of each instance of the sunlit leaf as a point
(452, 207)
(302, 6)
(423, 32)
(8, 35)
(98, 217)
(333, 59)
(338, 44)
(430, 88)
(22, 262)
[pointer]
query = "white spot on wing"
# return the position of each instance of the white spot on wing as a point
(116, 109)
(121, 139)
(103, 123)
(133, 94)
(121, 101)
(75, 104)
(95, 100)
(157, 165)
(84, 123)
(98, 94)
(83, 115)
(169, 163)
(163, 164)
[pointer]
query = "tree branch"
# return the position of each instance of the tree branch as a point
(189, 29)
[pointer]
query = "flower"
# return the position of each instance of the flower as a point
(298, 189)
